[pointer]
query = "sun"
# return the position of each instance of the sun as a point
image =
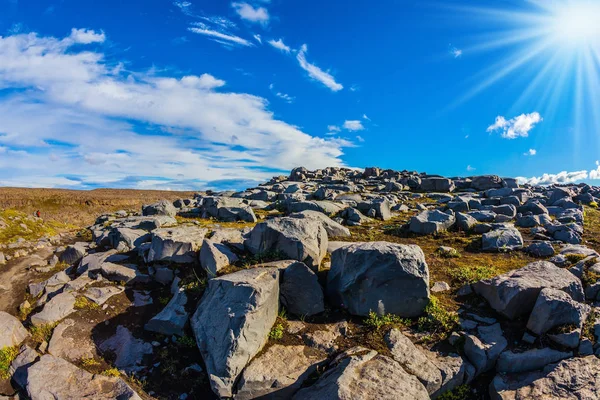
(576, 24)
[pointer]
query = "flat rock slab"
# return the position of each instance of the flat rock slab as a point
(575, 378)
(178, 245)
(100, 295)
(70, 343)
(59, 307)
(279, 372)
(129, 351)
(55, 378)
(514, 294)
(12, 331)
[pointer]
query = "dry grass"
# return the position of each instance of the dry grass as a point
(80, 207)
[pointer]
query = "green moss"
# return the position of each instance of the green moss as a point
(276, 332)
(83, 303)
(462, 392)
(21, 225)
(113, 372)
(574, 258)
(437, 320)
(187, 341)
(463, 275)
(7, 355)
(593, 204)
(378, 322)
(42, 333)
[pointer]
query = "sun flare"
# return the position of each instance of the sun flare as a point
(576, 24)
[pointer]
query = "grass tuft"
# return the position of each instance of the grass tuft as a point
(377, 322)
(83, 303)
(7, 355)
(437, 320)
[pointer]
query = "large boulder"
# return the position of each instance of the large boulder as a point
(514, 294)
(333, 228)
(486, 182)
(298, 239)
(364, 374)
(228, 209)
(163, 207)
(554, 308)
(233, 321)
(178, 245)
(172, 319)
(575, 378)
(54, 378)
(278, 373)
(381, 277)
(73, 253)
(431, 221)
(214, 257)
(301, 293)
(437, 184)
(59, 307)
(483, 349)
(503, 239)
(12, 332)
(129, 350)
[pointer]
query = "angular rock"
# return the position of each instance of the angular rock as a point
(12, 332)
(73, 254)
(69, 344)
(465, 222)
(100, 295)
(122, 273)
(163, 207)
(554, 308)
(381, 277)
(484, 349)
(301, 293)
(530, 360)
(129, 351)
(178, 245)
(515, 293)
(505, 239)
(278, 373)
(430, 222)
(59, 307)
(298, 239)
(172, 319)
(332, 227)
(233, 321)
(214, 257)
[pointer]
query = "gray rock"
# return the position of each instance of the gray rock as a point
(228, 209)
(233, 321)
(122, 273)
(439, 287)
(54, 378)
(19, 366)
(514, 294)
(129, 351)
(298, 239)
(530, 360)
(73, 254)
(363, 374)
(413, 360)
(172, 319)
(575, 378)
(505, 239)
(301, 293)
(12, 332)
(214, 257)
(540, 249)
(100, 295)
(325, 336)
(465, 222)
(178, 245)
(486, 182)
(59, 307)
(381, 277)
(554, 308)
(127, 239)
(437, 185)
(231, 237)
(431, 222)
(278, 373)
(163, 207)
(69, 343)
(484, 349)
(332, 227)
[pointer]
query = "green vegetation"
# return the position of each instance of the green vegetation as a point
(437, 320)
(187, 341)
(42, 333)
(276, 332)
(7, 355)
(377, 322)
(83, 303)
(20, 225)
(462, 392)
(113, 372)
(447, 252)
(593, 204)
(466, 275)
(574, 258)
(264, 257)
(89, 362)
(588, 326)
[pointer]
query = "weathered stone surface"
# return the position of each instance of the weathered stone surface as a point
(504, 239)
(59, 307)
(332, 227)
(299, 239)
(429, 222)
(55, 378)
(554, 308)
(530, 360)
(122, 273)
(19, 366)
(126, 239)
(100, 295)
(324, 338)
(381, 277)
(178, 245)
(278, 373)
(73, 253)
(365, 375)
(172, 319)
(228, 209)
(575, 378)
(414, 361)
(214, 257)
(515, 293)
(67, 344)
(12, 332)
(484, 349)
(129, 351)
(540, 249)
(233, 321)
(163, 207)
(301, 293)
(231, 237)
(465, 222)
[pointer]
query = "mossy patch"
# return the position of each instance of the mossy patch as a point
(7, 355)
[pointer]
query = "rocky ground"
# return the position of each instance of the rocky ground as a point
(328, 284)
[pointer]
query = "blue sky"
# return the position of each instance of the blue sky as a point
(198, 94)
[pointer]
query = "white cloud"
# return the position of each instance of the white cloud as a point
(515, 127)
(469, 168)
(278, 44)
(595, 173)
(221, 22)
(360, 138)
(334, 128)
(455, 52)
(317, 73)
(549, 179)
(184, 6)
(286, 97)
(131, 129)
(219, 36)
(86, 36)
(531, 152)
(247, 12)
(366, 118)
(258, 38)
(353, 125)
